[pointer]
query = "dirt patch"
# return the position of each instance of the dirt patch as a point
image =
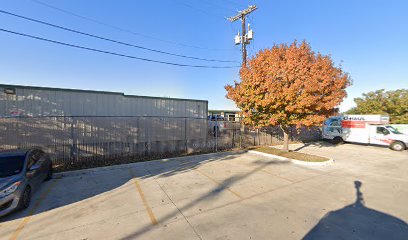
(291, 154)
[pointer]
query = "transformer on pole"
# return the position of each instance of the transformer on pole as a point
(246, 36)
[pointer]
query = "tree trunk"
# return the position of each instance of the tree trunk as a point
(285, 138)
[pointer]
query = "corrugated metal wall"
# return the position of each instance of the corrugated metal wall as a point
(76, 124)
(76, 138)
(34, 102)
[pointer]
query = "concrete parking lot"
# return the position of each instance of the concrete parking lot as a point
(233, 195)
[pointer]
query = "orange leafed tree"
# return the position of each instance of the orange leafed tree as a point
(289, 85)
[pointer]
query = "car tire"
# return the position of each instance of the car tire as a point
(49, 173)
(25, 198)
(397, 146)
(337, 140)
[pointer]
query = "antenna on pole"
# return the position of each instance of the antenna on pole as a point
(246, 37)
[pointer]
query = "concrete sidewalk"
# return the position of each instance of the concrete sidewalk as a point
(226, 196)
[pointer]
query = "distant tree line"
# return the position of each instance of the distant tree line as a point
(393, 103)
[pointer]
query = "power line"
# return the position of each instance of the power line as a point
(112, 40)
(111, 53)
(123, 29)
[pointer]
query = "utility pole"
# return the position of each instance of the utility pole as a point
(246, 37)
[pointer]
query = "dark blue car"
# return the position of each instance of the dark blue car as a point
(21, 173)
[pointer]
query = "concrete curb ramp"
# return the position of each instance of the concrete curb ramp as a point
(299, 162)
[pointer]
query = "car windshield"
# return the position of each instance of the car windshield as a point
(11, 165)
(393, 130)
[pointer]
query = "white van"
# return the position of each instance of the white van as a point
(369, 129)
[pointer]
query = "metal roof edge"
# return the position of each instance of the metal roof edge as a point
(180, 99)
(95, 91)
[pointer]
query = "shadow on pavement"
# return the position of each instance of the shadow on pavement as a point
(319, 144)
(80, 185)
(356, 221)
(328, 144)
(221, 187)
(83, 185)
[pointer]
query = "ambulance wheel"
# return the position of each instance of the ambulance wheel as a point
(397, 146)
(337, 140)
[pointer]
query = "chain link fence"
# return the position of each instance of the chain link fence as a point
(83, 142)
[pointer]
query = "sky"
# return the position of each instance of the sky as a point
(368, 38)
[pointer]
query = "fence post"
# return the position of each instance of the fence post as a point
(257, 135)
(233, 136)
(17, 127)
(254, 136)
(185, 135)
(240, 133)
(216, 134)
(149, 124)
(73, 141)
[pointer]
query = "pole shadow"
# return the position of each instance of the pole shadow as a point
(356, 221)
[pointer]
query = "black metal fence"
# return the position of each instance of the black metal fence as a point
(82, 142)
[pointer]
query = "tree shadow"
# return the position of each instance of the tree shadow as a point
(82, 185)
(356, 221)
(76, 186)
(221, 187)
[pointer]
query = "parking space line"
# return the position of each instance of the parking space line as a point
(178, 209)
(142, 196)
(218, 183)
(27, 219)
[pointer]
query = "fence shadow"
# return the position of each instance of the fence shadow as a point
(79, 187)
(356, 221)
(220, 188)
(82, 185)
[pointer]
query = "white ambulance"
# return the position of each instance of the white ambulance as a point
(368, 129)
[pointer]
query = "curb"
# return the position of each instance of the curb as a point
(295, 161)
